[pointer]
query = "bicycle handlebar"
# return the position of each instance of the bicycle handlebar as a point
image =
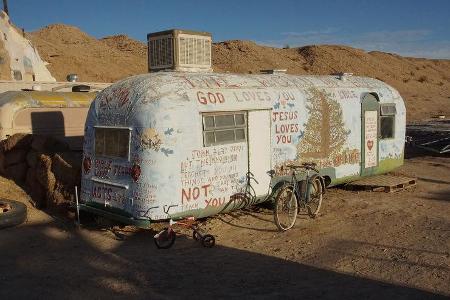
(250, 175)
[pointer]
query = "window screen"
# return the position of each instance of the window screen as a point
(388, 109)
(224, 128)
(17, 75)
(112, 142)
(387, 121)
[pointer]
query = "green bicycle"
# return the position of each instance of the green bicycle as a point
(296, 196)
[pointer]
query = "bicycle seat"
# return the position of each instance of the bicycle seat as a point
(271, 173)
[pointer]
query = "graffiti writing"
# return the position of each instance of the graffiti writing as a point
(119, 96)
(215, 201)
(211, 98)
(346, 94)
(241, 96)
(286, 124)
(102, 167)
(211, 173)
(188, 194)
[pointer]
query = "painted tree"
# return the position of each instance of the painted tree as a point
(325, 132)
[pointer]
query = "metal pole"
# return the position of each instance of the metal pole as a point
(78, 207)
(5, 7)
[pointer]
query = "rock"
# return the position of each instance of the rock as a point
(16, 141)
(73, 158)
(35, 189)
(17, 172)
(56, 199)
(2, 164)
(33, 158)
(64, 172)
(44, 174)
(15, 156)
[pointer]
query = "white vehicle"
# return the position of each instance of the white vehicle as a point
(176, 144)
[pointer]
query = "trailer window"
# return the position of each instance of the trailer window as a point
(112, 142)
(387, 121)
(224, 128)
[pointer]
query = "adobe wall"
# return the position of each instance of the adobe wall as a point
(19, 60)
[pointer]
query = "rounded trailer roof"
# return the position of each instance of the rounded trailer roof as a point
(130, 100)
(152, 86)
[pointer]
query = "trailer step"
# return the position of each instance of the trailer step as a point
(382, 183)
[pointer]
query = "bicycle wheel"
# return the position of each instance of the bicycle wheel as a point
(165, 238)
(315, 197)
(286, 206)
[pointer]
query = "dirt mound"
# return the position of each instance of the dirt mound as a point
(126, 44)
(248, 57)
(423, 83)
(69, 50)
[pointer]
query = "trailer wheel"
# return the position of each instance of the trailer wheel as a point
(164, 239)
(208, 241)
(12, 213)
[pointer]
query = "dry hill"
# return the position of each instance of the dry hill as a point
(424, 83)
(69, 50)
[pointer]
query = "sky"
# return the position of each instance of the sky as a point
(411, 28)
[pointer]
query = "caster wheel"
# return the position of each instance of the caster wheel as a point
(208, 241)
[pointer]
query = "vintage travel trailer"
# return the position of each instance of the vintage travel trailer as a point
(59, 114)
(180, 142)
(172, 144)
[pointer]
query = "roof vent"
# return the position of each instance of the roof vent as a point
(179, 50)
(72, 77)
(274, 71)
(343, 76)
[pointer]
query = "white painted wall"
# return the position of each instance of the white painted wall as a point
(23, 56)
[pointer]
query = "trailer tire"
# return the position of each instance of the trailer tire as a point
(208, 241)
(12, 213)
(164, 239)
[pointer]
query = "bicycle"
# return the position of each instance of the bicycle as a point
(166, 237)
(294, 196)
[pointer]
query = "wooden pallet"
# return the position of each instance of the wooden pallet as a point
(383, 183)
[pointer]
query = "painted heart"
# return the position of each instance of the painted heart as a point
(370, 144)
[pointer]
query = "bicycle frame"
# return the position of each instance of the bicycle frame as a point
(301, 196)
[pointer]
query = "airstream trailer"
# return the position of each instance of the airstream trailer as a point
(59, 114)
(177, 144)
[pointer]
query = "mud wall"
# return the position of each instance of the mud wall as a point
(43, 166)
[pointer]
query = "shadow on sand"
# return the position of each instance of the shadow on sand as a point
(42, 261)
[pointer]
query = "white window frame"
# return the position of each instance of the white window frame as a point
(388, 114)
(127, 157)
(215, 128)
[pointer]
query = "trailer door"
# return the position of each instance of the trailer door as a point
(259, 149)
(369, 134)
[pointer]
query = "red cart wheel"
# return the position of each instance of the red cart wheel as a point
(165, 238)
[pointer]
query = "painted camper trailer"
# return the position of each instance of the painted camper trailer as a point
(58, 114)
(172, 144)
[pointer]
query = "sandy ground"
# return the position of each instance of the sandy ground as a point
(363, 245)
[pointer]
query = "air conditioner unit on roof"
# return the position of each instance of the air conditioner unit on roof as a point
(180, 50)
